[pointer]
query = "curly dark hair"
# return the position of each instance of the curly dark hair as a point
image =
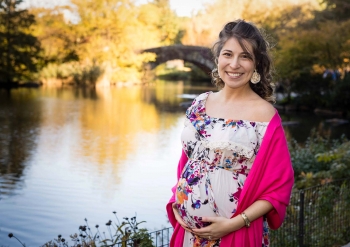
(246, 31)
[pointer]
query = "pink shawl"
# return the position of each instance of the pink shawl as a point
(271, 178)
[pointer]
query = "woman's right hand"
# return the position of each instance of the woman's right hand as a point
(179, 219)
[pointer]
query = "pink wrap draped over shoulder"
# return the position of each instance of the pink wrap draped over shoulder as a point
(271, 178)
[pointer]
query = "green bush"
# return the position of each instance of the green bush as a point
(319, 160)
(73, 72)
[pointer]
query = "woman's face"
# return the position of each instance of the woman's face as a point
(235, 66)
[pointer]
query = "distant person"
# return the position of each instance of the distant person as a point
(330, 73)
(235, 175)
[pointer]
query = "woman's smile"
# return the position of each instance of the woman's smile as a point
(234, 75)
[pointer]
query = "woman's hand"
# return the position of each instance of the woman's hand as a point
(219, 227)
(179, 219)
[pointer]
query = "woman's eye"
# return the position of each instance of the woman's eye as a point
(226, 54)
(246, 56)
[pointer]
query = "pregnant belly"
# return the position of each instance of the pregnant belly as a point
(208, 194)
(193, 201)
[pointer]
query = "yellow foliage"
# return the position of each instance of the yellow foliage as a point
(204, 28)
(107, 34)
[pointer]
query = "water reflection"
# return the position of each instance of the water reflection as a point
(110, 127)
(307, 123)
(84, 151)
(20, 117)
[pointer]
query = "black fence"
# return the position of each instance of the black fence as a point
(160, 238)
(316, 217)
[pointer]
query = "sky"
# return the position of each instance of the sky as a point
(187, 7)
(181, 7)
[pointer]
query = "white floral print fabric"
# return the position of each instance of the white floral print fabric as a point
(221, 153)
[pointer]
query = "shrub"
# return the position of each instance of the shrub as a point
(319, 160)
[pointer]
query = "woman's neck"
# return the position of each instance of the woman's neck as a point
(237, 94)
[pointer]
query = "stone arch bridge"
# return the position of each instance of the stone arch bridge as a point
(197, 55)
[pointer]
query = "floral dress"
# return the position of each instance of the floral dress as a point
(220, 155)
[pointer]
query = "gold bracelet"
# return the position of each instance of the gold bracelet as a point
(246, 220)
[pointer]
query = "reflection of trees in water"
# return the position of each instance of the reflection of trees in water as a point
(85, 93)
(19, 120)
(71, 92)
(308, 124)
(164, 96)
(113, 125)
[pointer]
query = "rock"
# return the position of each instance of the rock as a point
(290, 123)
(337, 121)
(327, 112)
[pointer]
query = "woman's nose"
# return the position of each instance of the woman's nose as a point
(234, 63)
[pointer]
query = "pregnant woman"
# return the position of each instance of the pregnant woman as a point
(235, 174)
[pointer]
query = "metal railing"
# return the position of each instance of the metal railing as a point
(317, 216)
(159, 238)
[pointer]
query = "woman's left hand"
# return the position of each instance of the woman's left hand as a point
(219, 227)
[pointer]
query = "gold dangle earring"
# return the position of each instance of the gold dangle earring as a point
(255, 77)
(215, 72)
(217, 68)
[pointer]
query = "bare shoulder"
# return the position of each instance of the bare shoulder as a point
(264, 111)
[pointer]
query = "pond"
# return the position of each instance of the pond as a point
(68, 154)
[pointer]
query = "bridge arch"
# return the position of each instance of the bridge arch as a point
(197, 55)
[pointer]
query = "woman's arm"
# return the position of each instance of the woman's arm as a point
(222, 226)
(257, 209)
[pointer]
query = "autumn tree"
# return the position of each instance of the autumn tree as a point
(19, 49)
(55, 33)
(337, 10)
(167, 24)
(105, 39)
(306, 50)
